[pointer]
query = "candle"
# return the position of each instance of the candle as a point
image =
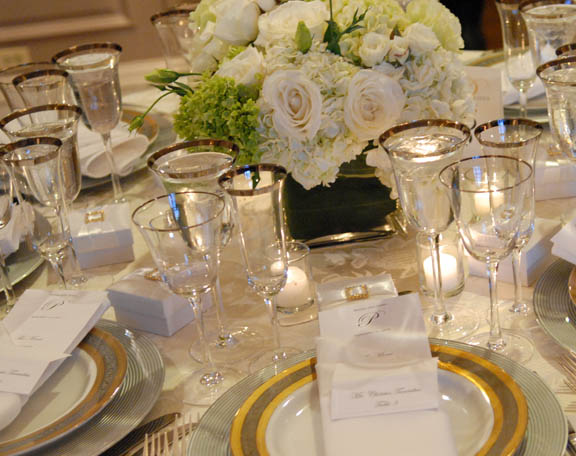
(449, 272)
(296, 292)
(482, 201)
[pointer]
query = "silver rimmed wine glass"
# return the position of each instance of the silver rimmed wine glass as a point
(520, 68)
(256, 193)
(175, 34)
(42, 87)
(183, 233)
(7, 75)
(489, 196)
(93, 74)
(516, 138)
(37, 162)
(7, 195)
(196, 166)
(418, 151)
(566, 50)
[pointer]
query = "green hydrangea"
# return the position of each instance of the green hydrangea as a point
(220, 109)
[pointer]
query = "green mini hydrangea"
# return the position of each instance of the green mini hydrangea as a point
(220, 109)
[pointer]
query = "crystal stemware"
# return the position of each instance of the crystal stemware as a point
(418, 151)
(173, 29)
(196, 166)
(42, 87)
(37, 162)
(516, 138)
(6, 208)
(489, 195)
(7, 75)
(93, 74)
(256, 193)
(520, 68)
(566, 50)
(183, 232)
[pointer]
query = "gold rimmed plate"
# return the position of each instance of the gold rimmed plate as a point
(488, 410)
(572, 285)
(81, 387)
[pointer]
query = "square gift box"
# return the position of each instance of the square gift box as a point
(102, 235)
(143, 303)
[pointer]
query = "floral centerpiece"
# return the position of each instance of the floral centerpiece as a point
(311, 85)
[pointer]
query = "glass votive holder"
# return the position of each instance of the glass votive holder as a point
(451, 264)
(296, 303)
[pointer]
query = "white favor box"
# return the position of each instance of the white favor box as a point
(145, 304)
(102, 235)
(535, 256)
(555, 178)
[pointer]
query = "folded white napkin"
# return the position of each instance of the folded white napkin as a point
(564, 242)
(127, 147)
(378, 382)
(47, 339)
(17, 228)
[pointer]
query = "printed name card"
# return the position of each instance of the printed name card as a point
(384, 364)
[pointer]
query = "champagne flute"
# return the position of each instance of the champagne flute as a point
(183, 233)
(256, 193)
(175, 34)
(516, 138)
(93, 72)
(489, 195)
(418, 151)
(6, 212)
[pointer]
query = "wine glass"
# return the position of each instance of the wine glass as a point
(566, 50)
(7, 75)
(6, 209)
(489, 195)
(418, 151)
(256, 193)
(59, 121)
(516, 138)
(520, 68)
(93, 74)
(196, 166)
(173, 29)
(37, 162)
(42, 87)
(183, 233)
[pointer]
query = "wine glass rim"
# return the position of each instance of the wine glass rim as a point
(565, 48)
(84, 49)
(7, 149)
(555, 65)
(37, 74)
(21, 66)
(490, 190)
(527, 5)
(171, 12)
(136, 212)
(232, 147)
(48, 107)
(463, 128)
(228, 176)
(509, 122)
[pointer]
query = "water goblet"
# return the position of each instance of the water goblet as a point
(6, 208)
(256, 193)
(196, 166)
(173, 29)
(489, 195)
(516, 138)
(418, 151)
(42, 87)
(183, 232)
(520, 68)
(37, 160)
(7, 75)
(550, 24)
(566, 50)
(93, 74)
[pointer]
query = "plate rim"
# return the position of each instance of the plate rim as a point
(514, 441)
(34, 440)
(572, 285)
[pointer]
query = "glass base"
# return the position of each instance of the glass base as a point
(514, 346)
(462, 322)
(272, 358)
(241, 344)
(515, 319)
(205, 385)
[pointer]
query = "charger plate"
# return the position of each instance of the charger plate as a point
(81, 387)
(546, 432)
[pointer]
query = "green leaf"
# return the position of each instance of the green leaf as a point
(332, 37)
(303, 38)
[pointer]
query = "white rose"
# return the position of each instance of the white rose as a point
(283, 21)
(422, 39)
(266, 5)
(373, 49)
(244, 67)
(238, 23)
(296, 103)
(373, 104)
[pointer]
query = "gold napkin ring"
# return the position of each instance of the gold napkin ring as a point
(356, 292)
(94, 216)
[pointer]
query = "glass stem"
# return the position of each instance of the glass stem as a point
(196, 305)
(273, 314)
(519, 304)
(440, 315)
(224, 336)
(58, 265)
(117, 188)
(495, 340)
(523, 103)
(5, 283)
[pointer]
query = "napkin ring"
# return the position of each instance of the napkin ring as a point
(94, 216)
(356, 292)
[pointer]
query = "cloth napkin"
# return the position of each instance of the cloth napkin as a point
(127, 148)
(373, 349)
(564, 242)
(17, 228)
(58, 339)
